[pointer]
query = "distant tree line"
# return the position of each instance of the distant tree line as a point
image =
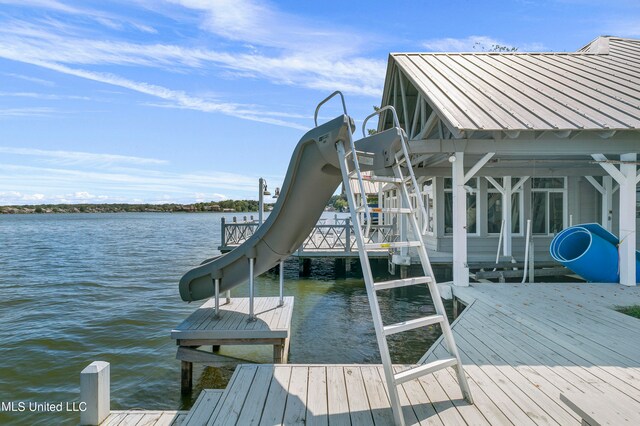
(211, 206)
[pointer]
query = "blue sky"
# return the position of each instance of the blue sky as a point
(193, 100)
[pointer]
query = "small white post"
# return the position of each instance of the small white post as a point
(281, 303)
(217, 296)
(627, 247)
(95, 392)
(607, 203)
(460, 269)
(252, 316)
(228, 296)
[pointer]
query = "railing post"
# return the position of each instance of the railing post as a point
(95, 392)
(281, 303)
(223, 231)
(347, 233)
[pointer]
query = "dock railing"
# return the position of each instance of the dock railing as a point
(330, 235)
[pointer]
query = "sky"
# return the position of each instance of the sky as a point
(156, 101)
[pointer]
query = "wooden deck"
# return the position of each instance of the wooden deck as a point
(202, 328)
(273, 321)
(146, 418)
(522, 345)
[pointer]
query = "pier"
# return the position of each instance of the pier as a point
(523, 347)
(232, 326)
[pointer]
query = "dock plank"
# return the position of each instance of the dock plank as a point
(359, 409)
(277, 398)
(296, 409)
(317, 399)
(338, 403)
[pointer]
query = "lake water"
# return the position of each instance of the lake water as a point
(82, 287)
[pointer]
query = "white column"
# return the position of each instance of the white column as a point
(627, 247)
(460, 270)
(607, 203)
(95, 392)
(506, 215)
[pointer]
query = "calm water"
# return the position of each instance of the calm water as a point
(83, 287)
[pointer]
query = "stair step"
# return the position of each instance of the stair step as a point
(423, 370)
(404, 282)
(412, 324)
(386, 210)
(396, 244)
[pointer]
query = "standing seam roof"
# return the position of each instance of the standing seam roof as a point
(596, 88)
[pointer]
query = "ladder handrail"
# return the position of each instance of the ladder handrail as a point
(378, 112)
(344, 105)
(405, 150)
(363, 193)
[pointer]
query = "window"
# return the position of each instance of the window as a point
(494, 207)
(548, 205)
(472, 212)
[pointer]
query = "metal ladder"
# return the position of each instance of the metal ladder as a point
(412, 239)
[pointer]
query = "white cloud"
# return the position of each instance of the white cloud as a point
(30, 79)
(27, 112)
(475, 43)
(43, 96)
(85, 158)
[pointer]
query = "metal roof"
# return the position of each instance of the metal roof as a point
(596, 88)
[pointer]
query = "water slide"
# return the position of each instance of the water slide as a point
(590, 251)
(312, 178)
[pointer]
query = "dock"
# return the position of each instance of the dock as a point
(232, 326)
(522, 346)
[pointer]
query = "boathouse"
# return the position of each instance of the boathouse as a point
(500, 138)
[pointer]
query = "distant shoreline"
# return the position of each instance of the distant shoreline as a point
(226, 206)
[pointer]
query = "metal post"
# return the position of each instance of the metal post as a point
(217, 296)
(228, 296)
(260, 200)
(252, 316)
(281, 283)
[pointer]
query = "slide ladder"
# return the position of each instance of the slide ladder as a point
(349, 165)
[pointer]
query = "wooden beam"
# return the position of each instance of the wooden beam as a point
(476, 167)
(595, 184)
(610, 168)
(496, 184)
(515, 171)
(416, 113)
(527, 146)
(519, 184)
(405, 111)
(429, 125)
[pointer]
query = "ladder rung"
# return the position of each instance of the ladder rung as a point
(412, 324)
(424, 369)
(386, 210)
(384, 179)
(404, 282)
(396, 244)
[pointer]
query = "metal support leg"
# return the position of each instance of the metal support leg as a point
(281, 284)
(217, 297)
(228, 296)
(252, 316)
